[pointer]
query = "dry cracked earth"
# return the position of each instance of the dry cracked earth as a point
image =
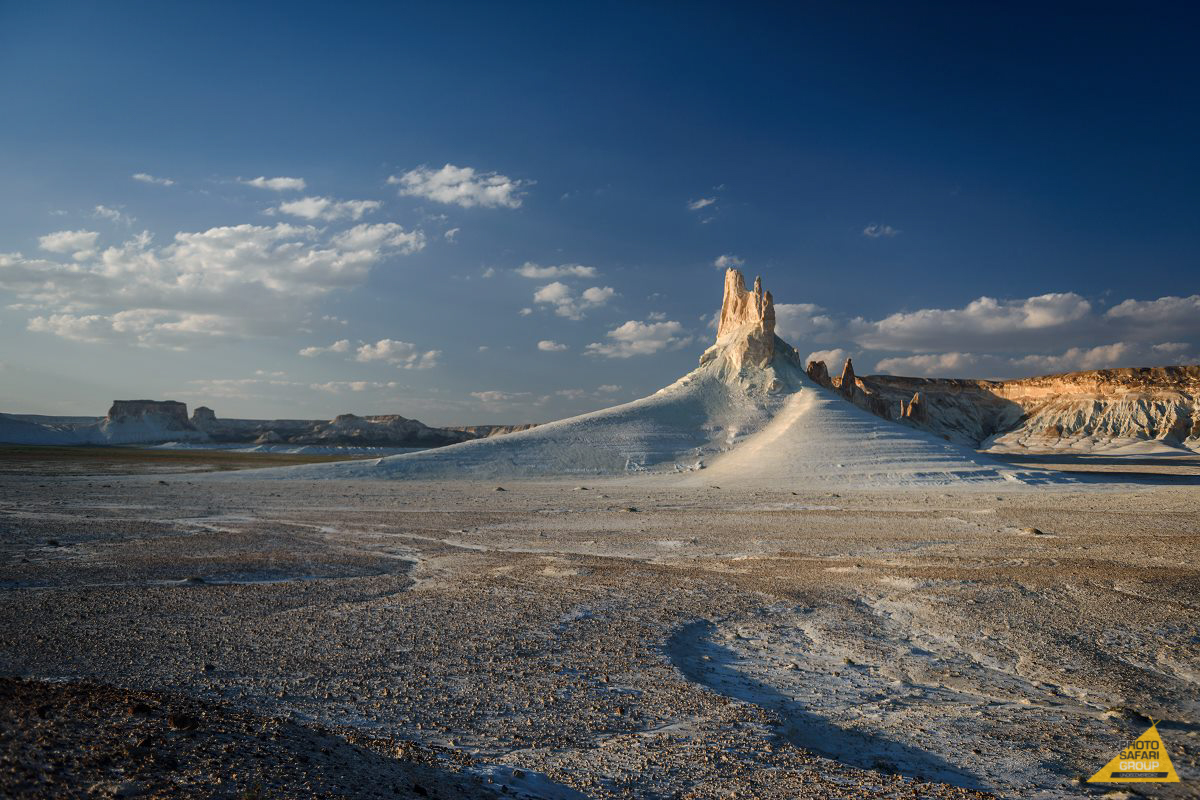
(192, 637)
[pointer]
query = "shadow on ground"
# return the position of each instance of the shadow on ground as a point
(691, 644)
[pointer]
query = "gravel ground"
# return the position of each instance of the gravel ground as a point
(605, 640)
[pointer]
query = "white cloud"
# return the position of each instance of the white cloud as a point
(147, 178)
(608, 388)
(983, 319)
(340, 346)
(328, 209)
(1106, 356)
(80, 245)
(276, 184)
(640, 339)
(728, 260)
(234, 281)
(112, 215)
(1119, 354)
(551, 346)
(525, 312)
(567, 304)
(703, 202)
(1166, 315)
(337, 387)
(463, 186)
(877, 231)
(146, 326)
(929, 364)
(451, 234)
(372, 237)
(803, 322)
(494, 397)
(531, 270)
(834, 359)
(402, 354)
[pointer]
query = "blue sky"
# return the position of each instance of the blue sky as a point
(503, 212)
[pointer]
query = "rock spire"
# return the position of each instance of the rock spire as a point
(746, 327)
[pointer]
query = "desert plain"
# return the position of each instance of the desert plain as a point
(181, 634)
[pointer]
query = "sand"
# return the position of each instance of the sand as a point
(606, 638)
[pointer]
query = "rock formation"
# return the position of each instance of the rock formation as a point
(746, 327)
(203, 417)
(819, 374)
(171, 414)
(847, 384)
(914, 410)
(1082, 411)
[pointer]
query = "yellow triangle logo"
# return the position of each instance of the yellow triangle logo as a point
(1144, 761)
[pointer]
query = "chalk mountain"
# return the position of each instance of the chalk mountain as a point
(748, 414)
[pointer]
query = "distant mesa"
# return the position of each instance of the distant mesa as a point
(171, 414)
(159, 421)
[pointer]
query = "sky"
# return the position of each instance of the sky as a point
(512, 212)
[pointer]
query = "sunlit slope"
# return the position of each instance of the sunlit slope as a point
(817, 439)
(677, 428)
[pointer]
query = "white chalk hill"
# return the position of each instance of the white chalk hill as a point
(748, 415)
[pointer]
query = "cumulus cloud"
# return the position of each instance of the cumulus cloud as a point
(567, 304)
(728, 260)
(635, 338)
(531, 270)
(551, 346)
(462, 186)
(326, 208)
(496, 397)
(1169, 316)
(928, 364)
(340, 346)
(990, 337)
(80, 245)
(832, 358)
(980, 320)
(877, 231)
(371, 238)
(1106, 356)
(148, 178)
(241, 280)
(337, 387)
(276, 184)
(803, 322)
(608, 388)
(112, 215)
(405, 355)
(451, 234)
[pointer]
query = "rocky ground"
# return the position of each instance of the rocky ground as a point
(596, 640)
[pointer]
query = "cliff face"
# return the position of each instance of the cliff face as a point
(1081, 411)
(171, 413)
